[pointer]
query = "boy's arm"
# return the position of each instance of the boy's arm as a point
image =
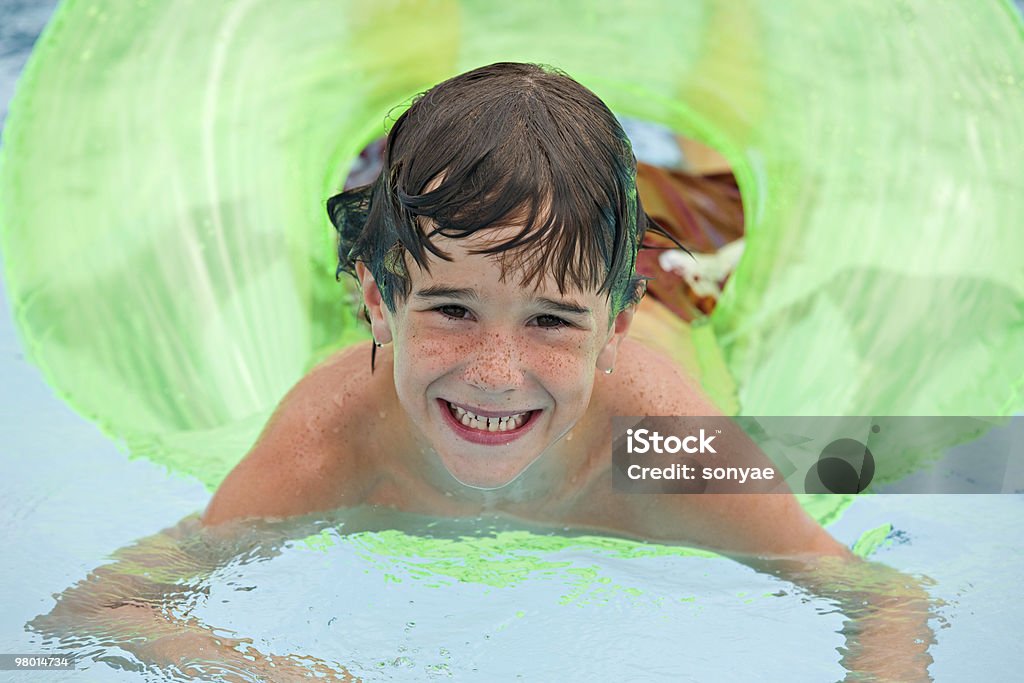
(130, 605)
(303, 461)
(886, 628)
(887, 632)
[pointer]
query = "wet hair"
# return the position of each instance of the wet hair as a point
(504, 144)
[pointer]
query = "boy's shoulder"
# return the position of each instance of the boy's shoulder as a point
(646, 381)
(308, 457)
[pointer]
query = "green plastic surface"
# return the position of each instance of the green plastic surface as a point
(165, 166)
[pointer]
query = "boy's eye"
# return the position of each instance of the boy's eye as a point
(456, 312)
(452, 311)
(551, 322)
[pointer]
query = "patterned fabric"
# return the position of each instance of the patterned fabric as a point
(706, 215)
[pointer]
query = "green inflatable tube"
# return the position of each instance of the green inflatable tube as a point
(165, 167)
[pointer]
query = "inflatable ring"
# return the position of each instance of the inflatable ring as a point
(165, 166)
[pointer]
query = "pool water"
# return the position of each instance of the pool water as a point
(389, 609)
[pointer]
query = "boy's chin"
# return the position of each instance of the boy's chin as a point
(483, 473)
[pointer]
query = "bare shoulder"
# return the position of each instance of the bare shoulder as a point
(648, 382)
(306, 459)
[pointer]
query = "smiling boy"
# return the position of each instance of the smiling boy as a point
(496, 257)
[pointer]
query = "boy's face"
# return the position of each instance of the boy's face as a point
(492, 374)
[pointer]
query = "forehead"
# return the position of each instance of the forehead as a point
(509, 268)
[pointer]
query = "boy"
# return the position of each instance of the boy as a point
(496, 257)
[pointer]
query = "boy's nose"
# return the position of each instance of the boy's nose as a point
(496, 366)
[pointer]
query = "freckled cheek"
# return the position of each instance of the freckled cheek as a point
(429, 353)
(565, 369)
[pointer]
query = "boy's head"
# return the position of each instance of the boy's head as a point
(505, 143)
(497, 251)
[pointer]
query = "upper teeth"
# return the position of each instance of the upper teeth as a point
(490, 424)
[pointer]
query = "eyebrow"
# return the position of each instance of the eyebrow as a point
(563, 306)
(445, 292)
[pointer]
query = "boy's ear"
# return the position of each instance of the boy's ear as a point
(374, 303)
(618, 332)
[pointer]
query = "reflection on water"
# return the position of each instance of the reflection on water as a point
(346, 595)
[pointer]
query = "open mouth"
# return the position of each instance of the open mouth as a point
(489, 428)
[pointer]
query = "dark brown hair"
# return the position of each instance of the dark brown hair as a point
(503, 142)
